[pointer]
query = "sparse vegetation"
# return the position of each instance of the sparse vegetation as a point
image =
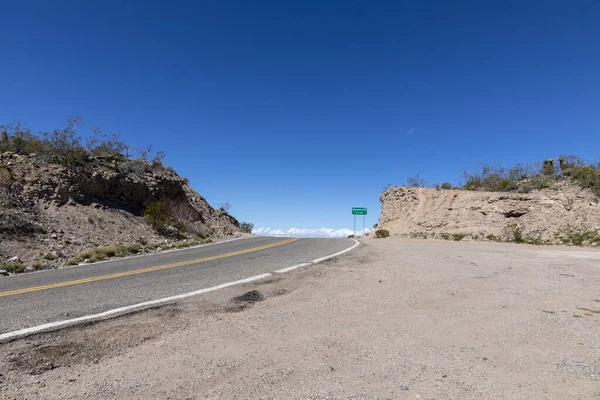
(382, 233)
(514, 232)
(5, 176)
(50, 256)
(102, 253)
(12, 267)
(415, 181)
(157, 214)
(458, 236)
(225, 207)
(64, 146)
(571, 235)
(246, 227)
(37, 264)
(446, 186)
(525, 178)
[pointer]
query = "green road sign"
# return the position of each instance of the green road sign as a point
(359, 211)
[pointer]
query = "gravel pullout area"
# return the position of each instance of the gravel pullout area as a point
(393, 319)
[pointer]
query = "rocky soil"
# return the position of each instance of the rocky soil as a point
(50, 213)
(543, 217)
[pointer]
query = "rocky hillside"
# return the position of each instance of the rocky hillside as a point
(52, 212)
(561, 214)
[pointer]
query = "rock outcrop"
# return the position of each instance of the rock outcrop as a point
(545, 216)
(61, 210)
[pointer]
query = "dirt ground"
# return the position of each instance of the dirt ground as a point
(393, 319)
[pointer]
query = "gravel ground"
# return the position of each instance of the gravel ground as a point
(393, 319)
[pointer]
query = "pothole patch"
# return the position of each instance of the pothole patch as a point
(250, 297)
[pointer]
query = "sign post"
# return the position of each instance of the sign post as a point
(359, 211)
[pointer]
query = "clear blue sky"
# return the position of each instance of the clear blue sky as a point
(296, 111)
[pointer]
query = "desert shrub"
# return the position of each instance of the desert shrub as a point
(446, 186)
(375, 225)
(567, 162)
(17, 138)
(586, 177)
(514, 232)
(494, 179)
(157, 161)
(578, 237)
(102, 253)
(100, 144)
(382, 233)
(491, 236)
(418, 235)
(157, 214)
(5, 176)
(415, 181)
(444, 235)
(225, 207)
(111, 251)
(37, 264)
(246, 227)
(524, 188)
(50, 256)
(548, 168)
(63, 146)
(180, 226)
(135, 167)
(133, 248)
(13, 267)
(458, 236)
(538, 182)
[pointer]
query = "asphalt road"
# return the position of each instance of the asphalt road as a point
(36, 298)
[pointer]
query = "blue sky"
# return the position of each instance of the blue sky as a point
(294, 112)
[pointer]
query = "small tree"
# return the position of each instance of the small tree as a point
(225, 207)
(246, 227)
(446, 185)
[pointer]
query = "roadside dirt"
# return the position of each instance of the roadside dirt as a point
(393, 319)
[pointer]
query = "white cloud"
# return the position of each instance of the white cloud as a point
(317, 233)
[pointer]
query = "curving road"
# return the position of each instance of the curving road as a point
(33, 299)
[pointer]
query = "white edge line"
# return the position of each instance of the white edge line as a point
(318, 260)
(53, 326)
(293, 267)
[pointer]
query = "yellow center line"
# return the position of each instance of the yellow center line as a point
(144, 270)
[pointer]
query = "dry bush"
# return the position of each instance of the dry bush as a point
(382, 233)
